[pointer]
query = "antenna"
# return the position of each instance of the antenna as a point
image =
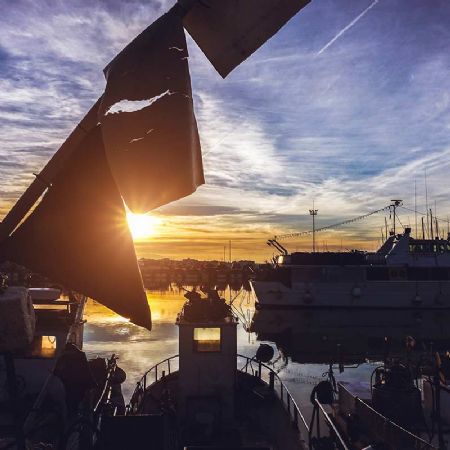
(431, 223)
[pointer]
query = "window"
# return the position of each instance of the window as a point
(44, 347)
(207, 339)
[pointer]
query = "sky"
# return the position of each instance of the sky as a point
(347, 106)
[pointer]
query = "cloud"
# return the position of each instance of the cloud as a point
(351, 129)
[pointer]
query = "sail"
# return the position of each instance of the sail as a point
(147, 118)
(228, 32)
(78, 235)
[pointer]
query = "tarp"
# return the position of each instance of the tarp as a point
(78, 235)
(147, 117)
(229, 31)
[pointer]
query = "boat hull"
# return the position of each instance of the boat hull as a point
(353, 294)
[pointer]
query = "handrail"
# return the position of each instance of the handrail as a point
(142, 384)
(284, 395)
(287, 400)
(424, 444)
(331, 425)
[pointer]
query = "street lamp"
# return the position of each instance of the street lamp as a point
(313, 213)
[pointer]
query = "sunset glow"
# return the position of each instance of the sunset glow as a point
(356, 84)
(142, 226)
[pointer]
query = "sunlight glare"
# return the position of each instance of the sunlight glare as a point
(142, 226)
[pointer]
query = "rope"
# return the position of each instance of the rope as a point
(335, 225)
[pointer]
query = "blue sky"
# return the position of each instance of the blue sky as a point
(351, 127)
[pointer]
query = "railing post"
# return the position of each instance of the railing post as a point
(156, 372)
(281, 392)
(260, 369)
(168, 363)
(271, 380)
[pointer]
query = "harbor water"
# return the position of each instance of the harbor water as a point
(106, 333)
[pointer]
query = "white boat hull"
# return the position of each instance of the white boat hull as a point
(347, 294)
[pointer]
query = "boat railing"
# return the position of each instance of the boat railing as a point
(155, 373)
(247, 365)
(256, 368)
(268, 375)
(321, 415)
(379, 426)
(389, 431)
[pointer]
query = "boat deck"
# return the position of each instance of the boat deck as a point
(260, 417)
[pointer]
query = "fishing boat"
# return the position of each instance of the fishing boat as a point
(37, 325)
(391, 391)
(404, 273)
(401, 406)
(208, 396)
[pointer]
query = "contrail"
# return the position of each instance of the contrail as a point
(348, 27)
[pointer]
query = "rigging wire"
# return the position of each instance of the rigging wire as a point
(335, 225)
(423, 214)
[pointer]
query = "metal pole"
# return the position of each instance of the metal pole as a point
(395, 203)
(313, 213)
(415, 207)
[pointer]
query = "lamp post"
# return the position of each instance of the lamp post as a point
(313, 213)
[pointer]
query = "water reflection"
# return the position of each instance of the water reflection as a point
(307, 341)
(138, 349)
(351, 337)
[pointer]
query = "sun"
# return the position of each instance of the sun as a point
(142, 226)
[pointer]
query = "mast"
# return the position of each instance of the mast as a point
(395, 204)
(431, 224)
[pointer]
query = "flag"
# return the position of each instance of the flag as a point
(78, 235)
(228, 32)
(147, 118)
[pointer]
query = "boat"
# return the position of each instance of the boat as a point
(208, 396)
(54, 396)
(401, 407)
(392, 388)
(37, 325)
(404, 273)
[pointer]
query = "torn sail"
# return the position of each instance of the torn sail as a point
(147, 118)
(78, 235)
(228, 32)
